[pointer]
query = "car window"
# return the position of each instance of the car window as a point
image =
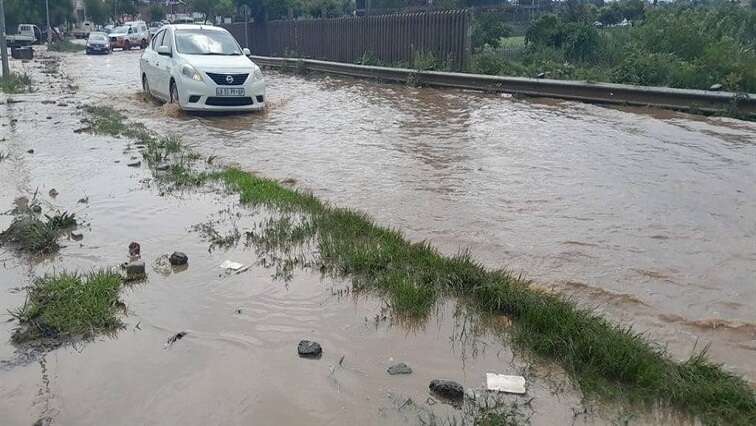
(206, 42)
(167, 40)
(157, 40)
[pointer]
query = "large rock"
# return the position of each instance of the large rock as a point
(447, 389)
(135, 270)
(309, 349)
(178, 258)
(400, 368)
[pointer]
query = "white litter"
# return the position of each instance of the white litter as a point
(234, 266)
(502, 383)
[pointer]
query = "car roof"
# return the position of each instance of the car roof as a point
(196, 27)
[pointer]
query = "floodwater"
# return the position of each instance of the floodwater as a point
(647, 215)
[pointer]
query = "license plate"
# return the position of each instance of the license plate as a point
(224, 91)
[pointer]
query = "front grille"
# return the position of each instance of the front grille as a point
(222, 79)
(223, 101)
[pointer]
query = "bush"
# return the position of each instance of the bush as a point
(15, 83)
(488, 30)
(491, 62)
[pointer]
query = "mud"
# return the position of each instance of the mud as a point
(575, 196)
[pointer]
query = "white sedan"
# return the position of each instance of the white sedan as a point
(201, 68)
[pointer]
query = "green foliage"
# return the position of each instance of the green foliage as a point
(157, 12)
(33, 12)
(98, 11)
(15, 83)
(67, 305)
(33, 235)
(488, 29)
(65, 46)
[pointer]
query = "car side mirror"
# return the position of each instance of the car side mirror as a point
(246, 52)
(164, 50)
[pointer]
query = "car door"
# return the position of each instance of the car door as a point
(150, 60)
(164, 66)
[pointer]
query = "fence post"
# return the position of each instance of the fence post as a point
(466, 61)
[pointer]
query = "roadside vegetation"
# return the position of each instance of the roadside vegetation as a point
(64, 305)
(33, 234)
(65, 46)
(606, 359)
(15, 83)
(679, 45)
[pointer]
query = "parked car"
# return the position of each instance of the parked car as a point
(27, 35)
(82, 30)
(130, 34)
(154, 27)
(201, 68)
(98, 43)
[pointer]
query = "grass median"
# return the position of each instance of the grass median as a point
(606, 359)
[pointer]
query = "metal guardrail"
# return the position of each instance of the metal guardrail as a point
(664, 97)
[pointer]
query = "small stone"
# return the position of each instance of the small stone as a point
(134, 164)
(135, 249)
(178, 258)
(400, 368)
(31, 151)
(53, 193)
(77, 236)
(36, 208)
(135, 270)
(49, 117)
(447, 389)
(309, 349)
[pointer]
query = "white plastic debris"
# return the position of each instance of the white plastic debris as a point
(234, 266)
(502, 383)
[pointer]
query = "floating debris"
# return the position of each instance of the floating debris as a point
(503, 383)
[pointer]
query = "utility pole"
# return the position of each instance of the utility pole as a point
(3, 47)
(49, 28)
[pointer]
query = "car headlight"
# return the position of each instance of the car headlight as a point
(257, 74)
(190, 72)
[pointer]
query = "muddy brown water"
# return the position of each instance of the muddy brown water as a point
(647, 215)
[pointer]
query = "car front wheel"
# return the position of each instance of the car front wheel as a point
(174, 99)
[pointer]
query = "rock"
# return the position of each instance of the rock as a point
(36, 208)
(53, 193)
(134, 164)
(716, 87)
(77, 236)
(178, 258)
(400, 368)
(447, 389)
(309, 349)
(135, 270)
(49, 117)
(135, 249)
(31, 151)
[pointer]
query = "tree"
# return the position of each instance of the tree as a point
(488, 29)
(157, 12)
(33, 12)
(97, 11)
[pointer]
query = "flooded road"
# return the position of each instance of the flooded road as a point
(647, 215)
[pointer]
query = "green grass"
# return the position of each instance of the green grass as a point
(65, 46)
(15, 83)
(512, 42)
(604, 358)
(67, 305)
(31, 234)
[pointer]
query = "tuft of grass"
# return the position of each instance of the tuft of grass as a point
(15, 83)
(65, 46)
(604, 358)
(34, 235)
(68, 305)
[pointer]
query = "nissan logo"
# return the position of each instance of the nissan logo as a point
(230, 79)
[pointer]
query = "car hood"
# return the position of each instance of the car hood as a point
(219, 63)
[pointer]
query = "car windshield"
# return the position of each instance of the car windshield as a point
(206, 42)
(121, 30)
(98, 37)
